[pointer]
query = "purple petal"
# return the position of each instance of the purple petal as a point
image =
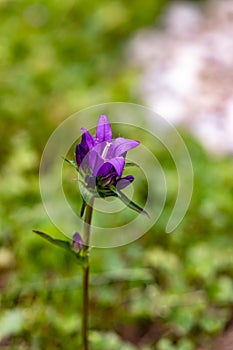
(95, 161)
(120, 146)
(103, 130)
(99, 147)
(105, 169)
(82, 149)
(80, 153)
(117, 163)
(124, 182)
(88, 141)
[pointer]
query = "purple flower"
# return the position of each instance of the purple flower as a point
(102, 159)
(77, 242)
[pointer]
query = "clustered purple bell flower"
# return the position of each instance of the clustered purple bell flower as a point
(101, 160)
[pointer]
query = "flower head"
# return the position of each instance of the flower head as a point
(102, 159)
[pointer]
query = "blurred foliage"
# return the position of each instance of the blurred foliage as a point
(161, 292)
(56, 58)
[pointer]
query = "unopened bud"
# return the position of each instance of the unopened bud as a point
(77, 242)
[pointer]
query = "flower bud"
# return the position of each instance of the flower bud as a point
(77, 242)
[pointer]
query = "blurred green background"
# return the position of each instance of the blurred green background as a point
(161, 292)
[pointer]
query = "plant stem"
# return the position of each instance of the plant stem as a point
(85, 313)
(85, 308)
(87, 223)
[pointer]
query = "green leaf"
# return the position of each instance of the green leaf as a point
(58, 242)
(130, 203)
(81, 258)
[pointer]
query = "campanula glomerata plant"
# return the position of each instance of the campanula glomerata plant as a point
(100, 162)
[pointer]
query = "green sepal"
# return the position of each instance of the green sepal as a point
(105, 191)
(71, 162)
(128, 164)
(86, 194)
(130, 203)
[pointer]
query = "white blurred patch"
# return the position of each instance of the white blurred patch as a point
(187, 70)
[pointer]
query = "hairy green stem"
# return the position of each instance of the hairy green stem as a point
(85, 313)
